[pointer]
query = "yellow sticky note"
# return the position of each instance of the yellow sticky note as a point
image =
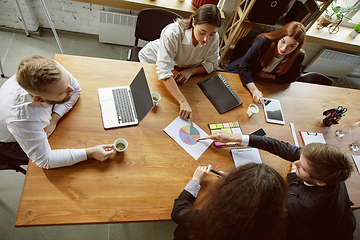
(212, 126)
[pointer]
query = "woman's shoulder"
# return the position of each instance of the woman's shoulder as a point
(173, 28)
(302, 53)
(261, 44)
(300, 56)
(263, 40)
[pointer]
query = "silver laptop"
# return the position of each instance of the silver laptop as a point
(128, 105)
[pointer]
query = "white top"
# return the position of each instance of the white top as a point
(175, 48)
(273, 64)
(23, 120)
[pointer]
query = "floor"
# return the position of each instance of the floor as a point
(13, 48)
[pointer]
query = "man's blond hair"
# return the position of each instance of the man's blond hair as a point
(35, 73)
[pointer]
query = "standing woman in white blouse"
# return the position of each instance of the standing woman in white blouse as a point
(191, 44)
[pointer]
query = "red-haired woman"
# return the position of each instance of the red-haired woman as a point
(275, 55)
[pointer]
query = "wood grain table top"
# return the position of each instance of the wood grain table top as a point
(141, 183)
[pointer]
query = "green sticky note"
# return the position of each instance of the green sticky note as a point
(219, 125)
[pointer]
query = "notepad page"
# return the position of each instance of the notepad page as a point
(312, 137)
(242, 156)
(356, 159)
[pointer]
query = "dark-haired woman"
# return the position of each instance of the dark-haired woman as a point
(275, 55)
(248, 203)
(192, 44)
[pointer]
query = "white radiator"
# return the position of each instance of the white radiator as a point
(334, 64)
(118, 28)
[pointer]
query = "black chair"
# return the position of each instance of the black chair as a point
(8, 163)
(316, 78)
(241, 47)
(149, 24)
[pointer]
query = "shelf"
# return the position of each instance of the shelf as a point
(238, 26)
(341, 40)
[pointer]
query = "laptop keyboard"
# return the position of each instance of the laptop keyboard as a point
(123, 105)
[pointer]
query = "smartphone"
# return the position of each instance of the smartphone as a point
(259, 132)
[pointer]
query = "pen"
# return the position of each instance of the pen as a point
(202, 139)
(214, 171)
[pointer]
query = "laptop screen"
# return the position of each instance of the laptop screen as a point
(142, 95)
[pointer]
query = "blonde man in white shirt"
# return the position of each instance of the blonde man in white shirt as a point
(191, 44)
(32, 103)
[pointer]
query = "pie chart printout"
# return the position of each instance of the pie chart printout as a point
(188, 134)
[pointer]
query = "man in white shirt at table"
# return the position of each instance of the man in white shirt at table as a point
(32, 102)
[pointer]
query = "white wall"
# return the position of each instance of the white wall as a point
(65, 15)
(83, 17)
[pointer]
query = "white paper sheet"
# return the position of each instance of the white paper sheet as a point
(312, 137)
(185, 135)
(242, 156)
(357, 161)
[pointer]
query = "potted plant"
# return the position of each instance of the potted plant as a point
(339, 12)
(334, 18)
(356, 30)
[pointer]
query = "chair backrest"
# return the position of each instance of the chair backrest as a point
(8, 163)
(317, 78)
(151, 21)
(241, 47)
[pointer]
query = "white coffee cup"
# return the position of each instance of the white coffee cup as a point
(120, 145)
(252, 109)
(156, 98)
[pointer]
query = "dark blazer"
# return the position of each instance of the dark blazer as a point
(314, 212)
(182, 214)
(249, 64)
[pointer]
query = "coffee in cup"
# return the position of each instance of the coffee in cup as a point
(252, 109)
(156, 98)
(120, 144)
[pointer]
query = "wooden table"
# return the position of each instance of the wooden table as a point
(141, 183)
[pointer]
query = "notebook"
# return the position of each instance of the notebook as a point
(126, 105)
(220, 93)
(242, 156)
(311, 137)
